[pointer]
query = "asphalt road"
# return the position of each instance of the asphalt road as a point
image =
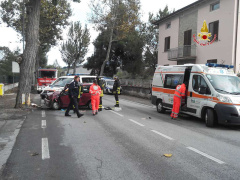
(123, 144)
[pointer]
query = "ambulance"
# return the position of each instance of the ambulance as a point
(213, 91)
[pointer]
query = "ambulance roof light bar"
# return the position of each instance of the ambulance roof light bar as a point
(219, 65)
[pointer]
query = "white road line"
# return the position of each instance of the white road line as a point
(163, 135)
(136, 122)
(43, 113)
(44, 123)
(45, 149)
(116, 113)
(206, 155)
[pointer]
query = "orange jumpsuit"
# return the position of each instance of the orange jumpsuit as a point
(178, 95)
(95, 92)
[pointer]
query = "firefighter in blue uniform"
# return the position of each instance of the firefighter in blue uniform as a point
(73, 95)
(116, 90)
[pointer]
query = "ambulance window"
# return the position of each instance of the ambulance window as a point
(171, 81)
(199, 81)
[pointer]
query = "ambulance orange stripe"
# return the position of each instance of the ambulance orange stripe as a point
(171, 91)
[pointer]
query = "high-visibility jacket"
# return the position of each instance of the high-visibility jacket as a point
(95, 90)
(180, 91)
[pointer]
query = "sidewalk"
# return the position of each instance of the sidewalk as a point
(11, 120)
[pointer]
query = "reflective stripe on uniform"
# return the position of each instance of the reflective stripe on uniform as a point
(180, 92)
(177, 95)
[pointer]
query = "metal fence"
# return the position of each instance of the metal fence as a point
(136, 83)
(9, 79)
(186, 51)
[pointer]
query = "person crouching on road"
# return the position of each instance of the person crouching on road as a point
(116, 90)
(178, 96)
(73, 95)
(95, 92)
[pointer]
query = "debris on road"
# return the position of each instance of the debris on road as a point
(168, 155)
(35, 105)
(35, 154)
(108, 108)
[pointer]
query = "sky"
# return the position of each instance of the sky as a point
(81, 12)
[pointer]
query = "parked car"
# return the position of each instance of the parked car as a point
(58, 100)
(108, 89)
(61, 82)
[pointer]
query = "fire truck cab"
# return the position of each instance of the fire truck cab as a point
(213, 91)
(45, 77)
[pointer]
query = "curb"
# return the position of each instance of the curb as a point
(6, 152)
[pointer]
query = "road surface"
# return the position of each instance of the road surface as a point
(123, 144)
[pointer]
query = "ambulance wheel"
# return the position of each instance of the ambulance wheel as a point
(210, 118)
(89, 105)
(56, 106)
(160, 107)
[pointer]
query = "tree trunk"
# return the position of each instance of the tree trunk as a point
(74, 67)
(35, 72)
(68, 69)
(108, 52)
(30, 52)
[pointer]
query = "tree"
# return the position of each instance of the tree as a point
(118, 17)
(76, 47)
(32, 43)
(151, 33)
(7, 57)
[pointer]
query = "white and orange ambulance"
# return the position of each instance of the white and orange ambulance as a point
(213, 91)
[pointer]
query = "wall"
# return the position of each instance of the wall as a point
(173, 33)
(222, 49)
(136, 87)
(10, 86)
(187, 21)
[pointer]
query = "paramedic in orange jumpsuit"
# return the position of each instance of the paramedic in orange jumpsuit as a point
(178, 96)
(95, 92)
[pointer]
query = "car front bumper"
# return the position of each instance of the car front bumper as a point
(227, 114)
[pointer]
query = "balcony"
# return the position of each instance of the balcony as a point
(187, 52)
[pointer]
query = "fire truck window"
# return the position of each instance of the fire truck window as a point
(47, 74)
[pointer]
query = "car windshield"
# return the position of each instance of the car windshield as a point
(225, 84)
(88, 79)
(61, 82)
(110, 83)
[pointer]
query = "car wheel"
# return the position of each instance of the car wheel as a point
(89, 105)
(210, 118)
(160, 107)
(56, 106)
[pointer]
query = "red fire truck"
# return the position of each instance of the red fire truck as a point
(45, 77)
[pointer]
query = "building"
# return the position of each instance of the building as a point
(177, 31)
(79, 70)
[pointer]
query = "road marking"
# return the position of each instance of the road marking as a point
(43, 113)
(45, 149)
(206, 155)
(117, 113)
(44, 123)
(163, 135)
(136, 122)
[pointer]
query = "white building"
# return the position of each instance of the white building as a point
(176, 41)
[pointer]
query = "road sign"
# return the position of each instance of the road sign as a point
(15, 67)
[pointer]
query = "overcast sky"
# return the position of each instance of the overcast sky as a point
(81, 11)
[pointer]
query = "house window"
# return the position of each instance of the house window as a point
(167, 44)
(188, 37)
(212, 61)
(215, 6)
(213, 29)
(168, 25)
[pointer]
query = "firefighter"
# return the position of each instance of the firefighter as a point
(178, 96)
(95, 92)
(101, 84)
(116, 90)
(73, 95)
